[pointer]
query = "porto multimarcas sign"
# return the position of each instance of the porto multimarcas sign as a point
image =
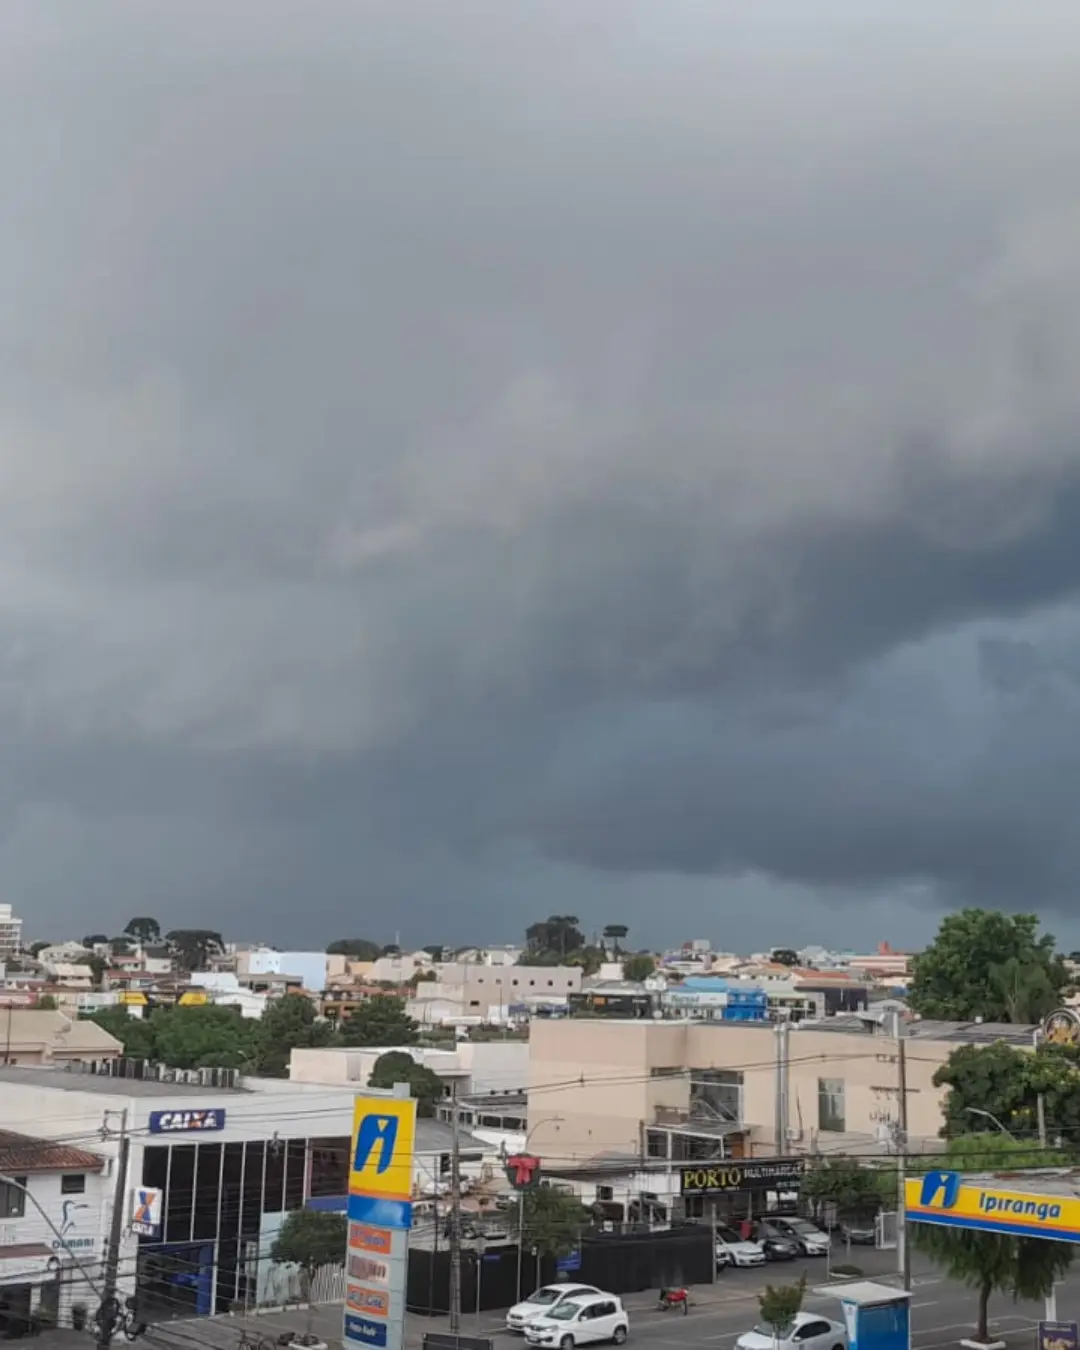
(183, 1122)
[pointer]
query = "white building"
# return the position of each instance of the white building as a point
(479, 1067)
(10, 933)
(225, 989)
(52, 1226)
(310, 967)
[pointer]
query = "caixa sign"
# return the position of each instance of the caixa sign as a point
(186, 1122)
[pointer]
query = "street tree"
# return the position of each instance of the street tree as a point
(1021, 1267)
(311, 1239)
(288, 1023)
(780, 1304)
(1006, 1081)
(359, 949)
(638, 967)
(990, 965)
(398, 1066)
(133, 1033)
(785, 956)
(380, 1020)
(46, 1003)
(552, 1221)
(855, 1192)
(192, 948)
(143, 929)
(94, 940)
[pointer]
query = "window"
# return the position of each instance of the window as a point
(73, 1183)
(12, 1199)
(831, 1104)
(657, 1144)
(605, 1192)
(719, 1091)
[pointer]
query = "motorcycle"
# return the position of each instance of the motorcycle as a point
(674, 1298)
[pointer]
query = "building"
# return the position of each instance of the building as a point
(308, 969)
(10, 933)
(714, 999)
(53, 1225)
(40, 1036)
(478, 1067)
(230, 1157)
(668, 1092)
(490, 992)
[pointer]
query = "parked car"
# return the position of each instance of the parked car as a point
(545, 1300)
(732, 1250)
(777, 1246)
(580, 1321)
(860, 1232)
(809, 1331)
(810, 1240)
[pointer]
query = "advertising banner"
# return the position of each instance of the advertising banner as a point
(770, 1174)
(949, 1199)
(380, 1216)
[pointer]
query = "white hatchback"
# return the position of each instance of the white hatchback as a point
(809, 1331)
(732, 1250)
(580, 1321)
(545, 1300)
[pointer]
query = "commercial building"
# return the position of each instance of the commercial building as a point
(665, 1093)
(478, 1067)
(229, 1161)
(494, 993)
(52, 1229)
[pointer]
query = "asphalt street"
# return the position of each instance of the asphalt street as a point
(942, 1315)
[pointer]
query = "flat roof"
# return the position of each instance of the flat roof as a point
(864, 1292)
(105, 1085)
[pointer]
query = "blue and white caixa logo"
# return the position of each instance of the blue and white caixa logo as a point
(186, 1122)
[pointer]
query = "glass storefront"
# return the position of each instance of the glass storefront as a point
(215, 1198)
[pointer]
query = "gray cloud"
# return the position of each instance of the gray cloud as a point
(491, 458)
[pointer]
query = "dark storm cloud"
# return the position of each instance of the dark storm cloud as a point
(466, 455)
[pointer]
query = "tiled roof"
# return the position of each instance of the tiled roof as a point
(24, 1153)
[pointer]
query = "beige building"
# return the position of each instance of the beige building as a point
(481, 990)
(680, 1091)
(41, 1036)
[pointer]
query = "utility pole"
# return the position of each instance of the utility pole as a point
(903, 1249)
(455, 1214)
(108, 1314)
(781, 1124)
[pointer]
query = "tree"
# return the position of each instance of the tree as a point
(435, 951)
(98, 966)
(193, 947)
(559, 933)
(780, 1304)
(391, 949)
(1007, 1081)
(638, 967)
(359, 949)
(552, 1220)
(590, 959)
(46, 1003)
(36, 947)
(854, 1191)
(94, 940)
(121, 944)
(987, 964)
(399, 1067)
(1023, 1267)
(381, 1020)
(204, 1037)
(143, 929)
(133, 1033)
(311, 1239)
(288, 1023)
(615, 933)
(785, 956)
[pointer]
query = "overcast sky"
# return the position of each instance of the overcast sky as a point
(466, 461)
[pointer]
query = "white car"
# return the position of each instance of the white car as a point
(577, 1321)
(732, 1250)
(809, 1331)
(543, 1301)
(810, 1240)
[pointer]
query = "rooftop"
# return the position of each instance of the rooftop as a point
(23, 1153)
(105, 1085)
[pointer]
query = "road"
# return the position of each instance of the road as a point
(942, 1316)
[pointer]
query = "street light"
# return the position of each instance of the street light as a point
(989, 1115)
(544, 1120)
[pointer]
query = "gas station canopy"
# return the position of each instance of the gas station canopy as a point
(1042, 1204)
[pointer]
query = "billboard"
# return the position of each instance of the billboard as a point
(951, 1200)
(772, 1174)
(380, 1216)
